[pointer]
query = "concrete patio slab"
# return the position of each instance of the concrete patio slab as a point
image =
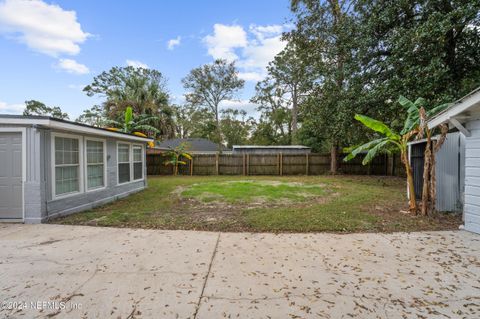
(124, 273)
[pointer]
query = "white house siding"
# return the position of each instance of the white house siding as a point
(472, 178)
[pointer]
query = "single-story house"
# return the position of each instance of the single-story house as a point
(449, 171)
(271, 149)
(52, 167)
(464, 115)
(194, 146)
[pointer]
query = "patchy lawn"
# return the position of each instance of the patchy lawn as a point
(267, 203)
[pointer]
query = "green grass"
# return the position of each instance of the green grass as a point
(271, 204)
(246, 191)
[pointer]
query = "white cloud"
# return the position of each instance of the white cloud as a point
(11, 108)
(137, 64)
(249, 107)
(45, 28)
(172, 43)
(252, 50)
(251, 76)
(225, 40)
(72, 66)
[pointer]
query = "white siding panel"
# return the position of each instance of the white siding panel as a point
(472, 178)
(472, 181)
(472, 162)
(473, 153)
(473, 125)
(472, 171)
(473, 143)
(472, 219)
(472, 190)
(472, 199)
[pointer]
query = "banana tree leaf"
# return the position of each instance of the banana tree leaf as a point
(407, 104)
(128, 115)
(437, 109)
(187, 156)
(376, 125)
(363, 148)
(374, 151)
(145, 127)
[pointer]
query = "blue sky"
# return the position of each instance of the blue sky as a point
(50, 50)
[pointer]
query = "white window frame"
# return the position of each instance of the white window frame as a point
(80, 164)
(104, 141)
(130, 160)
(130, 148)
(143, 163)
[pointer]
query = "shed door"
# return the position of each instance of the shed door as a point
(11, 190)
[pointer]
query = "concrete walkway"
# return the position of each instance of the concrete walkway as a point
(88, 272)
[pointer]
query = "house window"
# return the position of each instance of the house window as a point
(95, 163)
(67, 165)
(123, 163)
(137, 162)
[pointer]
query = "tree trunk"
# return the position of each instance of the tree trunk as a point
(426, 176)
(219, 134)
(433, 178)
(412, 203)
(333, 159)
(294, 115)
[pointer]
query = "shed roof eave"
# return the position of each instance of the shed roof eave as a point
(459, 107)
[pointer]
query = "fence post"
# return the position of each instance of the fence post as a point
(281, 164)
(191, 167)
(216, 164)
(307, 164)
(248, 164)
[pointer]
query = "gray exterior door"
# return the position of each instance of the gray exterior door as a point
(11, 190)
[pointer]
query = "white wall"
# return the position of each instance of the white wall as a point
(472, 178)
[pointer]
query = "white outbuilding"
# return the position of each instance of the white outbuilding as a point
(465, 116)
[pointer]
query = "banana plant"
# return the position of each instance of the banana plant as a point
(175, 154)
(132, 124)
(389, 142)
(417, 118)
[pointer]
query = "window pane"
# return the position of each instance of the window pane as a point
(137, 170)
(94, 152)
(123, 172)
(66, 180)
(123, 153)
(66, 151)
(137, 154)
(95, 174)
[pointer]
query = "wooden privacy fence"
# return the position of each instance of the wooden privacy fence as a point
(274, 164)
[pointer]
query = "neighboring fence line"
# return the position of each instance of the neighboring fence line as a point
(274, 164)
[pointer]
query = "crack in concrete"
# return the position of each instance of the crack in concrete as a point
(197, 308)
